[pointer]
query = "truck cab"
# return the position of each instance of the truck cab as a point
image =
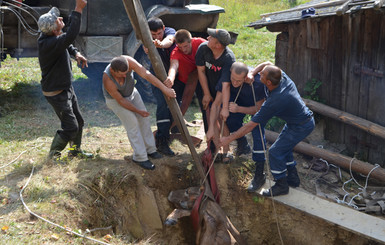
(105, 31)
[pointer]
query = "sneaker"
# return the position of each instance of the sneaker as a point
(155, 155)
(145, 164)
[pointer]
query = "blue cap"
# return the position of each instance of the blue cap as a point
(308, 12)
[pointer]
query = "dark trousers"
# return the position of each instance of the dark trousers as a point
(281, 152)
(163, 114)
(66, 108)
(235, 122)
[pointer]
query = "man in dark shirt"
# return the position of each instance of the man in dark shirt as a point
(283, 101)
(55, 49)
(163, 39)
(213, 60)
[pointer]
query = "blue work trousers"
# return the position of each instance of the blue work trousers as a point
(163, 114)
(235, 122)
(281, 152)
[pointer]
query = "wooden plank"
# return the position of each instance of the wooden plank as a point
(333, 131)
(360, 123)
(317, 5)
(348, 218)
(335, 158)
(300, 70)
(312, 34)
(370, 31)
(376, 108)
(353, 56)
(281, 49)
(343, 8)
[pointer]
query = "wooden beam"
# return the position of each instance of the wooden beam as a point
(316, 5)
(343, 8)
(138, 20)
(365, 125)
(335, 158)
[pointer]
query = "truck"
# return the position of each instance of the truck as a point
(105, 32)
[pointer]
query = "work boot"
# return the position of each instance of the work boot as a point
(242, 146)
(259, 178)
(292, 177)
(163, 147)
(280, 188)
(75, 150)
(145, 164)
(57, 145)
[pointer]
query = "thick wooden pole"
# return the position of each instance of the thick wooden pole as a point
(138, 20)
(367, 126)
(335, 158)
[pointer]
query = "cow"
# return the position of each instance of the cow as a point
(213, 226)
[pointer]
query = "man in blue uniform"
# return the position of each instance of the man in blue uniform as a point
(246, 99)
(283, 101)
(164, 41)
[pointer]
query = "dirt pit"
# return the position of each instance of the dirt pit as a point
(132, 203)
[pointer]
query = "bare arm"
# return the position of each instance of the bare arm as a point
(205, 87)
(111, 88)
(245, 129)
(260, 67)
(165, 43)
(225, 100)
(251, 110)
(144, 73)
(80, 4)
(174, 65)
(214, 113)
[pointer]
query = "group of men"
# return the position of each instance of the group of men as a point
(226, 90)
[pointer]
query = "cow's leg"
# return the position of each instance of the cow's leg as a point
(172, 218)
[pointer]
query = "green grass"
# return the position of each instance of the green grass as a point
(252, 46)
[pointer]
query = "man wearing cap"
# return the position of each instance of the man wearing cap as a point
(55, 49)
(283, 101)
(213, 60)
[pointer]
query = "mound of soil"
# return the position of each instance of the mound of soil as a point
(133, 203)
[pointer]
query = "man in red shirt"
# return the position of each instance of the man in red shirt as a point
(182, 75)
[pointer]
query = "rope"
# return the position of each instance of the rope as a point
(268, 169)
(239, 91)
(61, 227)
(215, 156)
(6, 165)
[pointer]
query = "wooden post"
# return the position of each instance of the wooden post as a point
(138, 20)
(335, 158)
(367, 126)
